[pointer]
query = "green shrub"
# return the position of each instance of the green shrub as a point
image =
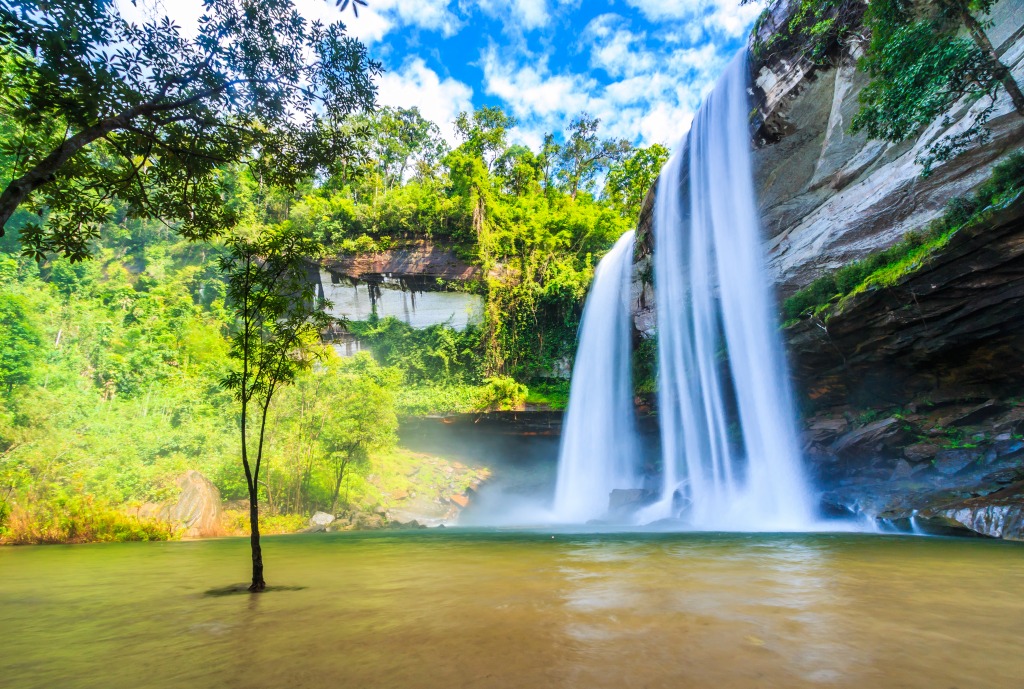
(78, 519)
(501, 393)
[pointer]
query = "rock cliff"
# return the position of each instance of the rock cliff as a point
(910, 392)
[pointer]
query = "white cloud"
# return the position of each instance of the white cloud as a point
(520, 14)
(643, 85)
(725, 16)
(547, 102)
(430, 15)
(439, 100)
(531, 91)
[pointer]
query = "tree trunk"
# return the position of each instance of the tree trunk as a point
(337, 486)
(258, 584)
(1001, 70)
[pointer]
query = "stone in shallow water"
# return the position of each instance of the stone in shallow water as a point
(321, 519)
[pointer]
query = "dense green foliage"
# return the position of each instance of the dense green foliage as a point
(921, 65)
(124, 394)
(103, 109)
(530, 220)
(885, 268)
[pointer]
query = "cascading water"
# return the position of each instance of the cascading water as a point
(599, 441)
(729, 443)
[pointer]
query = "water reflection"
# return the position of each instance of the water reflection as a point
(460, 609)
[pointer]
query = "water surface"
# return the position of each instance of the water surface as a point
(470, 609)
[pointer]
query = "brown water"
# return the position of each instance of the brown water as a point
(456, 609)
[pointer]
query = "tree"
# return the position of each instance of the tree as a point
(399, 138)
(584, 155)
(106, 108)
(329, 422)
(548, 159)
(277, 321)
(519, 168)
(921, 65)
(20, 341)
(362, 417)
(485, 133)
(629, 180)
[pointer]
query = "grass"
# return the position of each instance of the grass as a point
(553, 394)
(442, 399)
(828, 294)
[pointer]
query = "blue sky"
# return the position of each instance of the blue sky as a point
(641, 66)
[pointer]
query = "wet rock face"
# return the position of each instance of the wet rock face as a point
(913, 464)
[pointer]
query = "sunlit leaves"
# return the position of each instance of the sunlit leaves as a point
(152, 117)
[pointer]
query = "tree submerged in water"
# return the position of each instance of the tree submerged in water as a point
(278, 320)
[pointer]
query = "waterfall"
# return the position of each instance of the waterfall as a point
(731, 459)
(599, 440)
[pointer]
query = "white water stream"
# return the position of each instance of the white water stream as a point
(731, 459)
(599, 441)
(730, 456)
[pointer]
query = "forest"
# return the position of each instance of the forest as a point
(112, 366)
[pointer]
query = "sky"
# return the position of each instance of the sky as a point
(641, 66)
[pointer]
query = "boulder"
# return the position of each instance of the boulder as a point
(869, 439)
(1007, 446)
(624, 501)
(902, 470)
(369, 522)
(920, 452)
(950, 462)
(967, 416)
(197, 512)
(321, 519)
(460, 500)
(826, 429)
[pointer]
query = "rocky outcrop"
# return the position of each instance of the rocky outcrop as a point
(998, 515)
(415, 261)
(419, 283)
(950, 330)
(197, 512)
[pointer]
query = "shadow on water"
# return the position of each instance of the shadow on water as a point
(237, 589)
